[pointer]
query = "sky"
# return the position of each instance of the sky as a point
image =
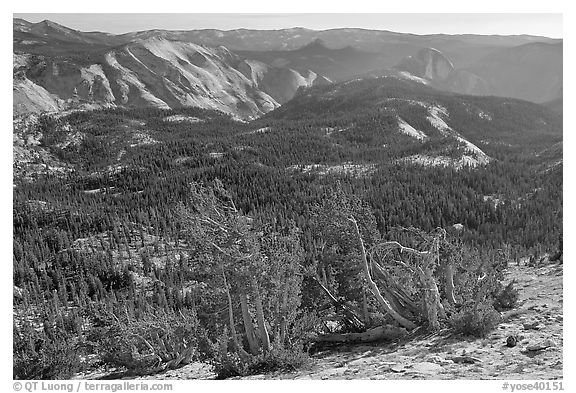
(549, 24)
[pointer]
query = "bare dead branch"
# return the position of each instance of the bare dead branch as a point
(374, 288)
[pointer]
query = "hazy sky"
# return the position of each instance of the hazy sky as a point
(549, 25)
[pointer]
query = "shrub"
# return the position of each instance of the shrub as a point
(305, 329)
(475, 319)
(278, 359)
(227, 364)
(507, 298)
(38, 357)
(206, 348)
(150, 343)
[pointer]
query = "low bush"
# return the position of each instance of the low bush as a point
(38, 357)
(229, 364)
(507, 298)
(150, 344)
(278, 359)
(475, 320)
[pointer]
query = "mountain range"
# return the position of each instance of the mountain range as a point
(248, 73)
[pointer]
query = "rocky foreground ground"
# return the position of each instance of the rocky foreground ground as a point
(537, 322)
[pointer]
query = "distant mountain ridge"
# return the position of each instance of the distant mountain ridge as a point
(336, 64)
(428, 126)
(296, 37)
(247, 73)
(155, 73)
(435, 69)
(531, 71)
(428, 63)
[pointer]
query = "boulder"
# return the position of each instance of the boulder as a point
(425, 368)
(548, 343)
(465, 359)
(531, 325)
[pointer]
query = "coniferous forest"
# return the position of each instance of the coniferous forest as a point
(145, 239)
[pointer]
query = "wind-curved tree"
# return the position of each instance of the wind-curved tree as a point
(256, 266)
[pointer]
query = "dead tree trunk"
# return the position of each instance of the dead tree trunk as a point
(283, 320)
(248, 325)
(264, 337)
(449, 278)
(243, 354)
(374, 288)
(431, 296)
(376, 334)
(324, 278)
(396, 294)
(429, 301)
(434, 308)
(436, 292)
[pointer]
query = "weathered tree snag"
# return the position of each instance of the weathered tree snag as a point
(283, 320)
(396, 294)
(449, 278)
(434, 307)
(431, 296)
(429, 302)
(282, 330)
(374, 288)
(324, 278)
(248, 325)
(397, 305)
(435, 260)
(387, 332)
(243, 354)
(264, 337)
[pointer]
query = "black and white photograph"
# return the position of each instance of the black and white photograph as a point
(286, 196)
